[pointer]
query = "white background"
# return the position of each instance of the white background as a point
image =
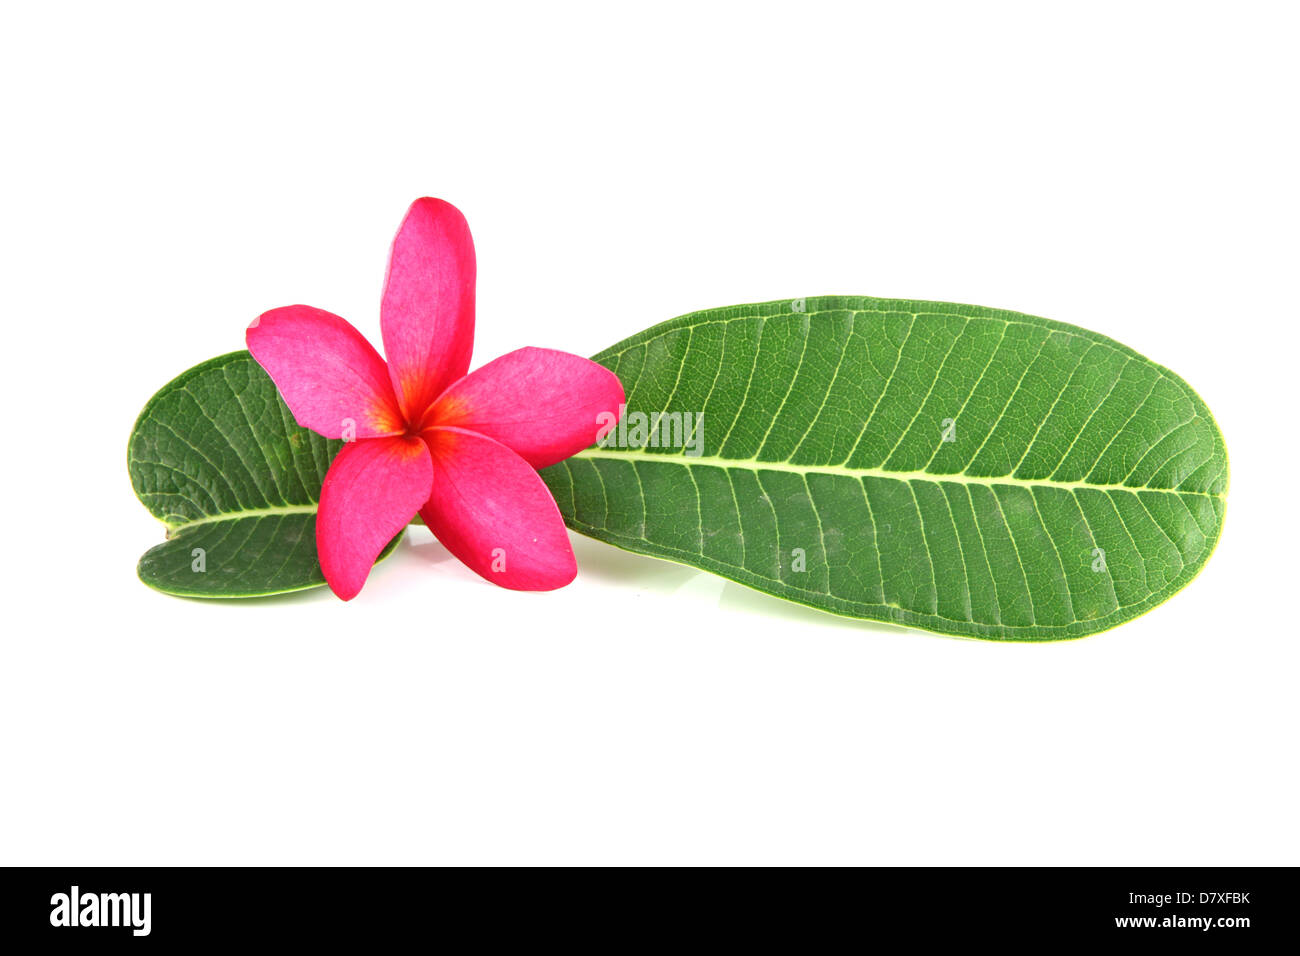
(169, 172)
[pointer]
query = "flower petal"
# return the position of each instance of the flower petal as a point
(331, 378)
(372, 489)
(427, 314)
(492, 510)
(542, 404)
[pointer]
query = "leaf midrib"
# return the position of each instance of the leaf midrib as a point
(753, 464)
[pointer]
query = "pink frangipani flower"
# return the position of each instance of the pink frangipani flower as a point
(422, 435)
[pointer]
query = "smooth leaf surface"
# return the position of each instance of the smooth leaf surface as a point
(960, 469)
(218, 458)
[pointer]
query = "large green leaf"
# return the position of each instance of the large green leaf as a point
(217, 456)
(1081, 484)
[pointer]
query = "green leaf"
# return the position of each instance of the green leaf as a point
(1081, 484)
(218, 458)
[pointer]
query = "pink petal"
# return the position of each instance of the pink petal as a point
(372, 489)
(427, 314)
(331, 378)
(492, 510)
(542, 404)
